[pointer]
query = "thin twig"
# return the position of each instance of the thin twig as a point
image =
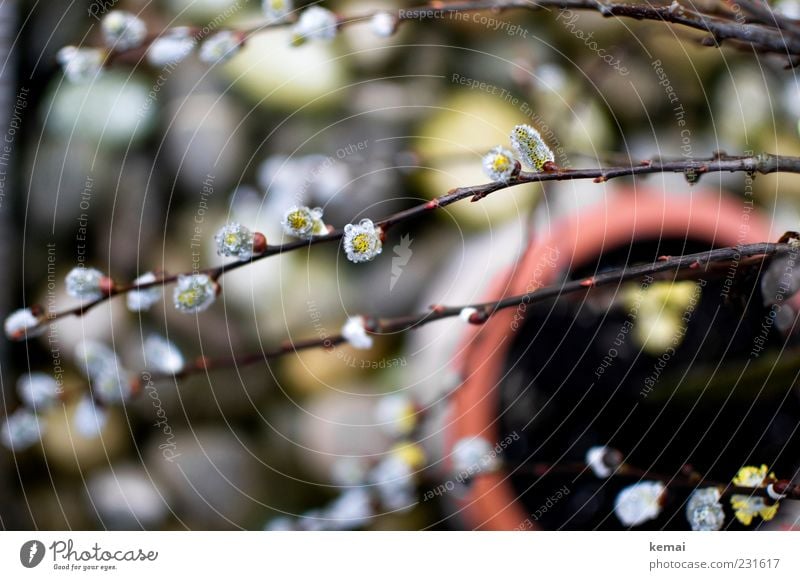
(697, 264)
(764, 163)
(766, 36)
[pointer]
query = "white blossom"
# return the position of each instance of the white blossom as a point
(95, 358)
(279, 524)
(171, 47)
(112, 385)
(351, 510)
(194, 293)
(84, 283)
(141, 300)
(596, 459)
(383, 24)
(89, 419)
(38, 390)
(81, 65)
(234, 241)
(704, 510)
(746, 507)
(162, 355)
(220, 48)
(394, 483)
(354, 332)
(396, 415)
(122, 30)
(473, 455)
(348, 471)
(315, 23)
(362, 242)
(276, 10)
(21, 430)
(303, 222)
(530, 146)
(639, 503)
(466, 313)
(22, 324)
(499, 164)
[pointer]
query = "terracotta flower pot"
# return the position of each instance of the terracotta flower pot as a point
(491, 502)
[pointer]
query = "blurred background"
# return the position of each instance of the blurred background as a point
(136, 171)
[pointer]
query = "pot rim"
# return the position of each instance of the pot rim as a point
(490, 503)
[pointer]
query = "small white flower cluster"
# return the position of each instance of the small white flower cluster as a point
(394, 477)
(89, 418)
(362, 242)
(304, 222)
(530, 146)
(704, 510)
(639, 503)
(499, 164)
(390, 484)
(23, 428)
(171, 47)
(352, 510)
(142, 300)
(276, 10)
(354, 332)
(384, 24)
(603, 460)
(315, 23)
(123, 31)
(23, 324)
(474, 455)
(81, 65)
(235, 241)
(110, 382)
(194, 293)
(161, 355)
(396, 415)
(84, 283)
(221, 47)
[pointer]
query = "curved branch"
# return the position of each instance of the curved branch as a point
(693, 169)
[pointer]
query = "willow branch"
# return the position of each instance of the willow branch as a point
(699, 264)
(691, 168)
(775, 35)
(687, 480)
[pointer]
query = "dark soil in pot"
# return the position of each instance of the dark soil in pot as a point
(574, 381)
